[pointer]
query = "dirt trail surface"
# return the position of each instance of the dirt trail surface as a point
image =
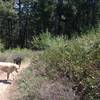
(5, 86)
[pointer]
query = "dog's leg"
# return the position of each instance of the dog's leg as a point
(8, 75)
(19, 65)
(13, 76)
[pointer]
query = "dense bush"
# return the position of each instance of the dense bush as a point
(76, 60)
(79, 60)
(46, 40)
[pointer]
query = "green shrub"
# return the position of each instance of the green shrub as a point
(46, 40)
(77, 59)
(42, 41)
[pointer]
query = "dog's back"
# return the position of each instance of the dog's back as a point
(4, 68)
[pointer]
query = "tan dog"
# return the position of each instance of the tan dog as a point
(8, 68)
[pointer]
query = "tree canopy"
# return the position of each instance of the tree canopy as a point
(20, 20)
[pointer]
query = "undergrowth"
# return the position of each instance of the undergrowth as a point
(79, 60)
(46, 40)
(10, 54)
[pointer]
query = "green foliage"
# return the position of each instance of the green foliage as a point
(78, 60)
(42, 41)
(18, 51)
(19, 24)
(46, 40)
(9, 55)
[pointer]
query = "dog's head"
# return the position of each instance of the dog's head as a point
(18, 60)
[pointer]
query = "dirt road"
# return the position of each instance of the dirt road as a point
(5, 86)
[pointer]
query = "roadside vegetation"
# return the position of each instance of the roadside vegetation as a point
(10, 54)
(79, 60)
(75, 61)
(61, 39)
